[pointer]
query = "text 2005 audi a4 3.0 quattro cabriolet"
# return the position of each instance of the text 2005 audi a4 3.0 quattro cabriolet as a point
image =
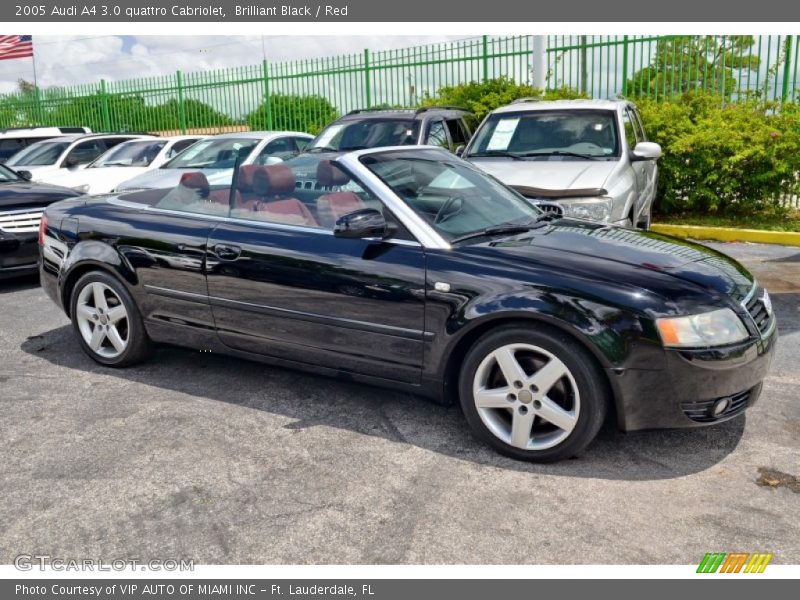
(410, 268)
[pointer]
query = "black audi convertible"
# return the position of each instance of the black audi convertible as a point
(408, 267)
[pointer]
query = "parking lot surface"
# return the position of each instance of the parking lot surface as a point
(199, 456)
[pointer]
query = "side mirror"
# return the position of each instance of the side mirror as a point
(363, 223)
(460, 149)
(26, 175)
(71, 163)
(647, 151)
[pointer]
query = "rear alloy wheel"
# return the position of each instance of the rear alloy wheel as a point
(107, 321)
(533, 395)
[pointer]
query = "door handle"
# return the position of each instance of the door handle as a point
(226, 252)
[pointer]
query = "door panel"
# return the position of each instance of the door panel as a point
(307, 296)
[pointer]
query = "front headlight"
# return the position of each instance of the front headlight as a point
(715, 328)
(593, 209)
(83, 189)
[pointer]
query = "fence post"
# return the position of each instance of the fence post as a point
(367, 84)
(104, 111)
(539, 66)
(625, 65)
(181, 107)
(486, 58)
(267, 99)
(787, 65)
(37, 98)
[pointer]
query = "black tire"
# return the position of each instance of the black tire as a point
(138, 347)
(585, 374)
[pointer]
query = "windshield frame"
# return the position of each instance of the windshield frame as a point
(471, 149)
(8, 171)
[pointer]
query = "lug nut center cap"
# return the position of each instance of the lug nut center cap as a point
(525, 396)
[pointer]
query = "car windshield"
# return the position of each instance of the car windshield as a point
(7, 175)
(455, 198)
(366, 133)
(130, 154)
(219, 153)
(39, 154)
(548, 135)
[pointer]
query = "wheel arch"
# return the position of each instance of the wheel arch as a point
(471, 335)
(94, 256)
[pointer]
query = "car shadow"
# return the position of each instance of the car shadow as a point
(311, 400)
(18, 284)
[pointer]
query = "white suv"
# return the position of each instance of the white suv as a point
(591, 157)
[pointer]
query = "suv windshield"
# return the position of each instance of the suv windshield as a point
(367, 133)
(219, 153)
(548, 133)
(38, 154)
(455, 198)
(130, 154)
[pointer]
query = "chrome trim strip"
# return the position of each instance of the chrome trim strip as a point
(750, 294)
(427, 236)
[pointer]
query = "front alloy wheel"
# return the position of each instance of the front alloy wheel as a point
(533, 394)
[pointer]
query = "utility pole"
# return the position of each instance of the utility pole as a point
(539, 62)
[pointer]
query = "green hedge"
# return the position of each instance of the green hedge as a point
(735, 159)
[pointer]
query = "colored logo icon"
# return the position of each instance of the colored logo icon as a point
(736, 562)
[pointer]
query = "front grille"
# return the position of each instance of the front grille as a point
(21, 221)
(757, 309)
(701, 411)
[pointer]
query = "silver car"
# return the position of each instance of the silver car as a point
(591, 157)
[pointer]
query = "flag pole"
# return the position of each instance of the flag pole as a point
(37, 96)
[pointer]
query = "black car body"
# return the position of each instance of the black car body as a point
(405, 303)
(21, 205)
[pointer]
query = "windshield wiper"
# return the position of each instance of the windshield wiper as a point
(563, 153)
(495, 230)
(504, 153)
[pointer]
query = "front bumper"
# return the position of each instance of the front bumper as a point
(18, 253)
(686, 391)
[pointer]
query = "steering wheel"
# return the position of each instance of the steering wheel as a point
(444, 212)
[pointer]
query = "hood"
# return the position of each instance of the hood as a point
(549, 174)
(166, 178)
(30, 193)
(658, 263)
(100, 180)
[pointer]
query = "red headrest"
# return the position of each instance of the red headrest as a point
(196, 181)
(329, 175)
(244, 182)
(273, 180)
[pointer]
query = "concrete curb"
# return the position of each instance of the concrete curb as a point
(729, 234)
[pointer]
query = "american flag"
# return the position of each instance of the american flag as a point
(15, 46)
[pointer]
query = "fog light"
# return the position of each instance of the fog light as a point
(720, 406)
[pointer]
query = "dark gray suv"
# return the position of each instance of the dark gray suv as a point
(444, 126)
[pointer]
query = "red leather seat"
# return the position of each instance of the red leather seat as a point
(272, 184)
(333, 205)
(244, 186)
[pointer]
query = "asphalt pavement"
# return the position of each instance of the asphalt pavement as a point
(199, 456)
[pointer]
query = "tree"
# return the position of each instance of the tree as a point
(482, 97)
(685, 63)
(293, 113)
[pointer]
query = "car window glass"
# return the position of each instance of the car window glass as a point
(39, 154)
(7, 175)
(130, 154)
(213, 153)
(281, 148)
(630, 129)
(85, 152)
(637, 124)
(457, 133)
(549, 134)
(453, 197)
(9, 147)
(437, 135)
(301, 143)
(179, 147)
(368, 133)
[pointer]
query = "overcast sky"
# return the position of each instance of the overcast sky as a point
(67, 60)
